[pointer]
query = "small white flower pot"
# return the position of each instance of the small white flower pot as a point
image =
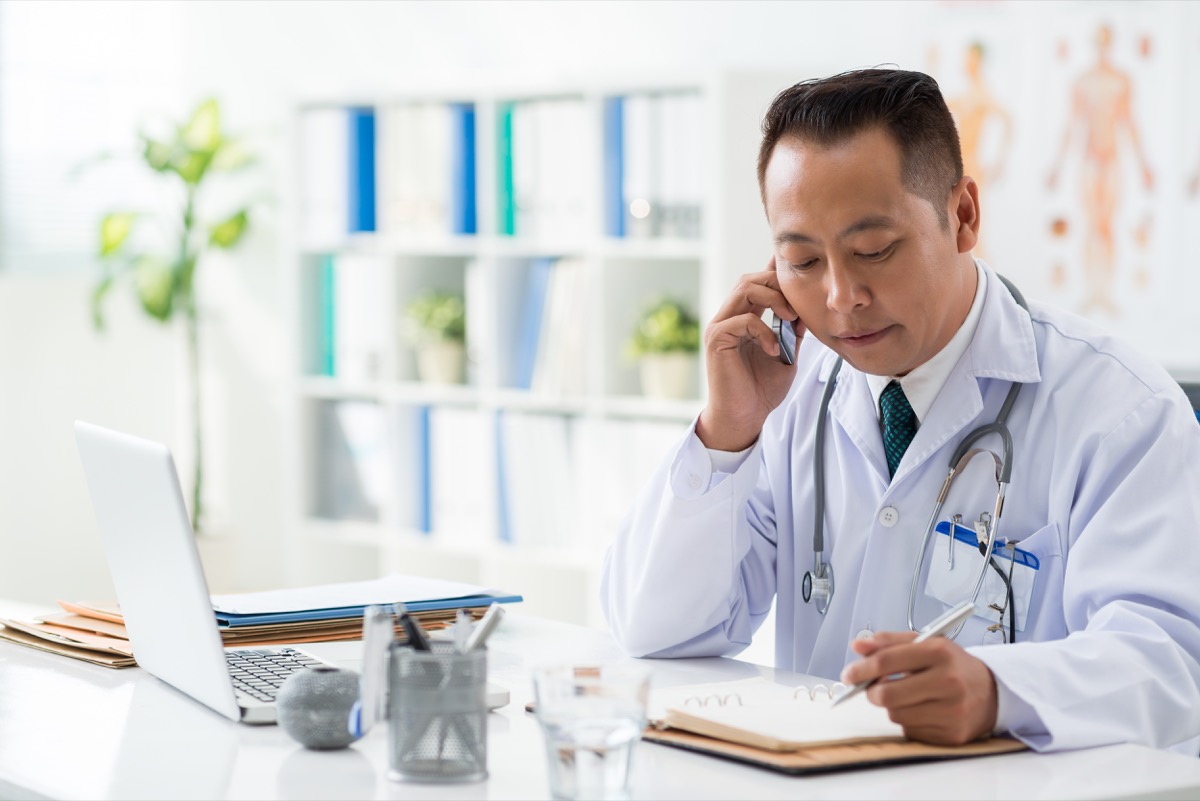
(442, 362)
(669, 376)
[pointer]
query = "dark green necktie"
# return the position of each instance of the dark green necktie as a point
(899, 424)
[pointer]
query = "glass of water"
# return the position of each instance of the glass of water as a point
(591, 718)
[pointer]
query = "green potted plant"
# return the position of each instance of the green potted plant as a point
(158, 251)
(665, 342)
(437, 330)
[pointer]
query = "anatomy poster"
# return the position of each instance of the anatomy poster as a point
(1076, 121)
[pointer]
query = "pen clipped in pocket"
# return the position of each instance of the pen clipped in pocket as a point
(954, 570)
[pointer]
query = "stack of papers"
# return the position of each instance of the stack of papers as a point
(95, 631)
(100, 642)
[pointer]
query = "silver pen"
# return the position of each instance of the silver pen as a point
(939, 627)
(371, 706)
(483, 629)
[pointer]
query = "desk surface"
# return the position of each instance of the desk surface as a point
(72, 730)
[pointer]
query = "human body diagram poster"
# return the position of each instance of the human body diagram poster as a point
(1081, 123)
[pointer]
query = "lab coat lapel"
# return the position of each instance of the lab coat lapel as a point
(1003, 348)
(853, 409)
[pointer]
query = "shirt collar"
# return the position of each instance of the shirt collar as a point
(922, 385)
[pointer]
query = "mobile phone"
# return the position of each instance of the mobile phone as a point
(786, 334)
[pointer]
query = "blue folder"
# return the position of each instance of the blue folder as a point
(233, 620)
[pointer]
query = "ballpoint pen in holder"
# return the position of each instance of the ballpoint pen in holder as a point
(437, 710)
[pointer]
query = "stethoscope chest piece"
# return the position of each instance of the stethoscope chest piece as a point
(817, 586)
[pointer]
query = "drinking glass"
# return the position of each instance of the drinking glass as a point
(591, 717)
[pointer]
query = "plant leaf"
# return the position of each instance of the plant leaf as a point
(203, 131)
(98, 300)
(157, 154)
(228, 233)
(155, 281)
(191, 165)
(232, 155)
(114, 230)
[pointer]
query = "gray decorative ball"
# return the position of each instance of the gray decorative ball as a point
(313, 706)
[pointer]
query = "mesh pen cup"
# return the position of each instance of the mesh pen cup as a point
(437, 714)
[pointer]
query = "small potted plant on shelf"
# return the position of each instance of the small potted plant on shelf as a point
(438, 333)
(666, 342)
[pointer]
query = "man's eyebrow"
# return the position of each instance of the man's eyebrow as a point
(865, 224)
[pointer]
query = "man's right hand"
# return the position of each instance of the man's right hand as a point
(746, 379)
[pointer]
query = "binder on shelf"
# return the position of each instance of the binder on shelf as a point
(325, 175)
(653, 165)
(411, 487)
(427, 168)
(533, 309)
(321, 306)
(642, 159)
(759, 722)
(352, 462)
(357, 322)
(460, 472)
(546, 198)
(538, 490)
(462, 168)
(503, 513)
(559, 369)
(681, 190)
(361, 170)
(506, 209)
(614, 166)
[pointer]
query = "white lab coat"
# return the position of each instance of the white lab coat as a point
(1105, 492)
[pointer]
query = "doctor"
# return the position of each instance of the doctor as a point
(873, 224)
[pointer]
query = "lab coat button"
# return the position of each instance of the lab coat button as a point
(864, 634)
(695, 481)
(888, 516)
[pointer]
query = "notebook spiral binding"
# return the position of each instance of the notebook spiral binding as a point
(818, 692)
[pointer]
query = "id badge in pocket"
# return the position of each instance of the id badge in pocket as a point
(954, 569)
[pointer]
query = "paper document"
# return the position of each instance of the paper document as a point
(386, 590)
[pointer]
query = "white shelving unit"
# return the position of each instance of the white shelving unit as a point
(614, 437)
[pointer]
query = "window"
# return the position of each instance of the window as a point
(78, 79)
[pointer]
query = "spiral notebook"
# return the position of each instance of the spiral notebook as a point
(792, 729)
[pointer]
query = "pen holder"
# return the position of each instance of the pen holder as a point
(437, 714)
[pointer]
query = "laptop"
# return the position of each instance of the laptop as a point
(160, 582)
(162, 591)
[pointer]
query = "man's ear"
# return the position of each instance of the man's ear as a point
(963, 211)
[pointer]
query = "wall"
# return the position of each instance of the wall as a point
(262, 57)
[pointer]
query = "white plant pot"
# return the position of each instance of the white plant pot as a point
(442, 362)
(669, 376)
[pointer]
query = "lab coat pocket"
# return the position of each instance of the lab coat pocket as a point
(957, 567)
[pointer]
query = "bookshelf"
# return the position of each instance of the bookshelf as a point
(558, 213)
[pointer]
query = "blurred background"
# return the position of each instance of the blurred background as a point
(578, 177)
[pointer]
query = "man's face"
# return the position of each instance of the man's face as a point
(866, 263)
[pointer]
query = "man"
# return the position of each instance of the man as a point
(873, 223)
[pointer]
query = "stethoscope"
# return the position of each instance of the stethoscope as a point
(817, 585)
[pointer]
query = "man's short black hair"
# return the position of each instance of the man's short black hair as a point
(908, 105)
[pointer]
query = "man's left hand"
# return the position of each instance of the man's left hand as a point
(938, 692)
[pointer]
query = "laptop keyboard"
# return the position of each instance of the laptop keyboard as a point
(259, 672)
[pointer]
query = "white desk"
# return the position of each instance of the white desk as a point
(72, 730)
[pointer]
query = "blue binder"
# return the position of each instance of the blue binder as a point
(361, 170)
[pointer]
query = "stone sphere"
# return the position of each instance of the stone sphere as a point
(313, 706)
